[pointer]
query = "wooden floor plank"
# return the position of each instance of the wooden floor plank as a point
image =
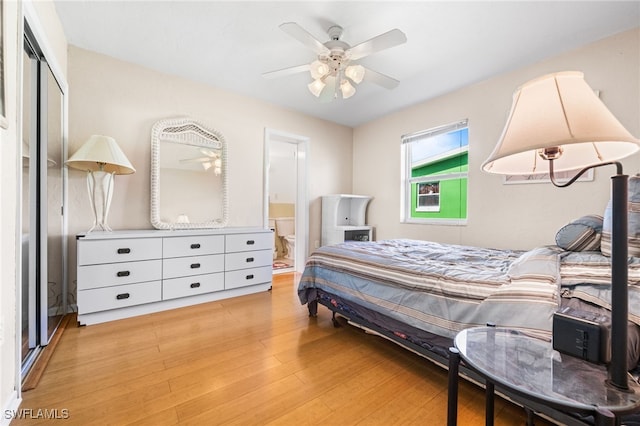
(256, 359)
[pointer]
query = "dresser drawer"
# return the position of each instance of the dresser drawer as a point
(247, 277)
(190, 286)
(194, 265)
(94, 276)
(248, 259)
(106, 298)
(192, 245)
(249, 242)
(92, 252)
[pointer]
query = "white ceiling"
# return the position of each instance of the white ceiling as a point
(450, 44)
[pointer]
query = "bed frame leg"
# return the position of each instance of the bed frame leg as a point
(313, 308)
(530, 416)
(336, 324)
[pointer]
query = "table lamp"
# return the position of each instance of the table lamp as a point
(101, 158)
(558, 123)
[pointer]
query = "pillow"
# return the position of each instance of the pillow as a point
(633, 212)
(583, 234)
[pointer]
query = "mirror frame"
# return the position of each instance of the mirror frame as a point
(185, 130)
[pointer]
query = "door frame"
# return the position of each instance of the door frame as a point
(302, 196)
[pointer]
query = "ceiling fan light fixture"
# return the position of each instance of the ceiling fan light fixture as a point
(355, 73)
(347, 89)
(318, 69)
(316, 87)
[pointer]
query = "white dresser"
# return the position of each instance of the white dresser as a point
(127, 273)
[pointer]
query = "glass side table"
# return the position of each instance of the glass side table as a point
(531, 369)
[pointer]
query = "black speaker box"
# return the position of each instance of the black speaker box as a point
(582, 334)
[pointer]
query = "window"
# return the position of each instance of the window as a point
(428, 197)
(434, 175)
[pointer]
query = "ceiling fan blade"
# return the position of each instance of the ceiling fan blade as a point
(196, 160)
(286, 71)
(304, 37)
(383, 41)
(380, 79)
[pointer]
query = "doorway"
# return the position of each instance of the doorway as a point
(286, 205)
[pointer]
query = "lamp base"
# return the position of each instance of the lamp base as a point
(100, 187)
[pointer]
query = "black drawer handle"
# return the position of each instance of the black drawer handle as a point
(124, 250)
(249, 259)
(122, 296)
(249, 277)
(195, 265)
(195, 246)
(250, 242)
(123, 273)
(194, 285)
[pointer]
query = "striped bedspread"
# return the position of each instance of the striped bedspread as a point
(443, 288)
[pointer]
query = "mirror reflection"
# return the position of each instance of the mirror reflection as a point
(188, 176)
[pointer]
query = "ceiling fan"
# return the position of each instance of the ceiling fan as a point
(334, 71)
(208, 159)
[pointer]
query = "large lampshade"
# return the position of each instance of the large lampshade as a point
(558, 110)
(101, 153)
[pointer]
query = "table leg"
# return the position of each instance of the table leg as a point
(489, 394)
(452, 396)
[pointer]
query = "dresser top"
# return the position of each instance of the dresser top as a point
(156, 233)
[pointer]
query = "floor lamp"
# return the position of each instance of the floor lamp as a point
(101, 158)
(558, 123)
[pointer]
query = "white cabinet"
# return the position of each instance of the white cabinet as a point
(344, 219)
(127, 273)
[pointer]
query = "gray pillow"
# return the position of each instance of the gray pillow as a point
(583, 234)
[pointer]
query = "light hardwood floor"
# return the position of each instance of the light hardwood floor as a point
(255, 359)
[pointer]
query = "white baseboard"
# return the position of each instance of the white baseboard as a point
(10, 409)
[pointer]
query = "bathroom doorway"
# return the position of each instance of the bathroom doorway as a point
(286, 204)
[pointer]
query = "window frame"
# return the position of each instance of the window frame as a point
(407, 181)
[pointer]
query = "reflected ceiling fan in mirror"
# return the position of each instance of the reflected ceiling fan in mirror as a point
(334, 71)
(209, 159)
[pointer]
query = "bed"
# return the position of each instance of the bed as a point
(421, 294)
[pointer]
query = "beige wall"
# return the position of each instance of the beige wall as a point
(506, 216)
(123, 100)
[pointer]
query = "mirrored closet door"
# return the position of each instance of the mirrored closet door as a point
(43, 290)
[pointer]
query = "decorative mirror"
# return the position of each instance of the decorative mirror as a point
(188, 176)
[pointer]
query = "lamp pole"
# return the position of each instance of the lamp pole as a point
(617, 371)
(619, 280)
